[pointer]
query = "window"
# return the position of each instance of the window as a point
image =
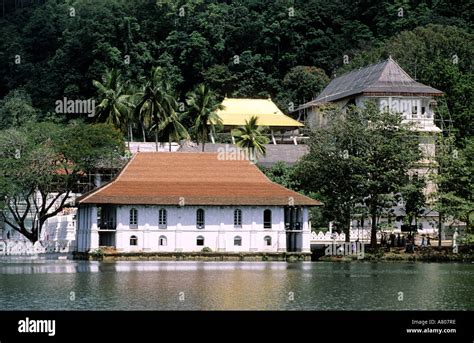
(267, 219)
(200, 218)
(200, 240)
(162, 218)
(133, 216)
(268, 240)
(133, 240)
(237, 241)
(162, 241)
(238, 218)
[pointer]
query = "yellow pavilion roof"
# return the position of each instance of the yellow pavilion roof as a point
(236, 111)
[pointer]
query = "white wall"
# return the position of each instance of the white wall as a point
(181, 231)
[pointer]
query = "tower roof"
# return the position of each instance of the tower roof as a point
(383, 78)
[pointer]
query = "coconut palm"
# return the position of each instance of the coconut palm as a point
(172, 127)
(251, 138)
(202, 109)
(113, 101)
(156, 101)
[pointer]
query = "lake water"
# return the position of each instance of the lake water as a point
(78, 285)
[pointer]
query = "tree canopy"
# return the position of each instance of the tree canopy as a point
(41, 164)
(359, 162)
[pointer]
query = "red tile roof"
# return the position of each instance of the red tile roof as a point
(152, 178)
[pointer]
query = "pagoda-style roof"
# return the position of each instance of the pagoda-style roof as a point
(236, 111)
(383, 78)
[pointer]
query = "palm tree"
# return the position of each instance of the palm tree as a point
(143, 116)
(133, 99)
(156, 101)
(203, 111)
(113, 107)
(172, 128)
(251, 138)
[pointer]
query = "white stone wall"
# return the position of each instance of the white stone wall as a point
(181, 232)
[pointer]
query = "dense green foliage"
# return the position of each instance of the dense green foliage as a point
(54, 49)
(454, 198)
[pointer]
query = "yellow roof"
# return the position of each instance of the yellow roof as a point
(237, 111)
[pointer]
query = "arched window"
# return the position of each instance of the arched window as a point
(162, 218)
(162, 241)
(238, 218)
(200, 223)
(200, 240)
(267, 219)
(238, 241)
(268, 240)
(133, 216)
(133, 240)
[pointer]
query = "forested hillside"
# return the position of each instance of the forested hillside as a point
(289, 50)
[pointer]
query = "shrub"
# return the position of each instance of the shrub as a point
(97, 253)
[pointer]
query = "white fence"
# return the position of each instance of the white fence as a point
(58, 236)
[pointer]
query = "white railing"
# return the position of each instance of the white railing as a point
(58, 236)
(16, 248)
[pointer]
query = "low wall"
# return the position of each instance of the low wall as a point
(195, 256)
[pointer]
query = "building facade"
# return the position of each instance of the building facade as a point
(185, 202)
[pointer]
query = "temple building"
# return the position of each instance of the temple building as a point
(173, 202)
(392, 89)
(236, 112)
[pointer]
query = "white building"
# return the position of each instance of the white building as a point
(172, 202)
(388, 85)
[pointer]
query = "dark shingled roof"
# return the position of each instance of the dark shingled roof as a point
(385, 77)
(160, 178)
(287, 153)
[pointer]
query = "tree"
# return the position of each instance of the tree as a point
(113, 105)
(40, 165)
(454, 196)
(360, 159)
(303, 84)
(282, 174)
(413, 197)
(157, 101)
(202, 110)
(251, 138)
(333, 166)
(171, 126)
(16, 109)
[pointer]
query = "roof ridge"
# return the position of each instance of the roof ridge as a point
(108, 184)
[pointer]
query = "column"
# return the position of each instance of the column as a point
(178, 233)
(221, 238)
(94, 237)
(253, 235)
(306, 244)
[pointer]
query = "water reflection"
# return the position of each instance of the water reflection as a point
(151, 285)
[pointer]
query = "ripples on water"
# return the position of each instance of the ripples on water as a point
(148, 285)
